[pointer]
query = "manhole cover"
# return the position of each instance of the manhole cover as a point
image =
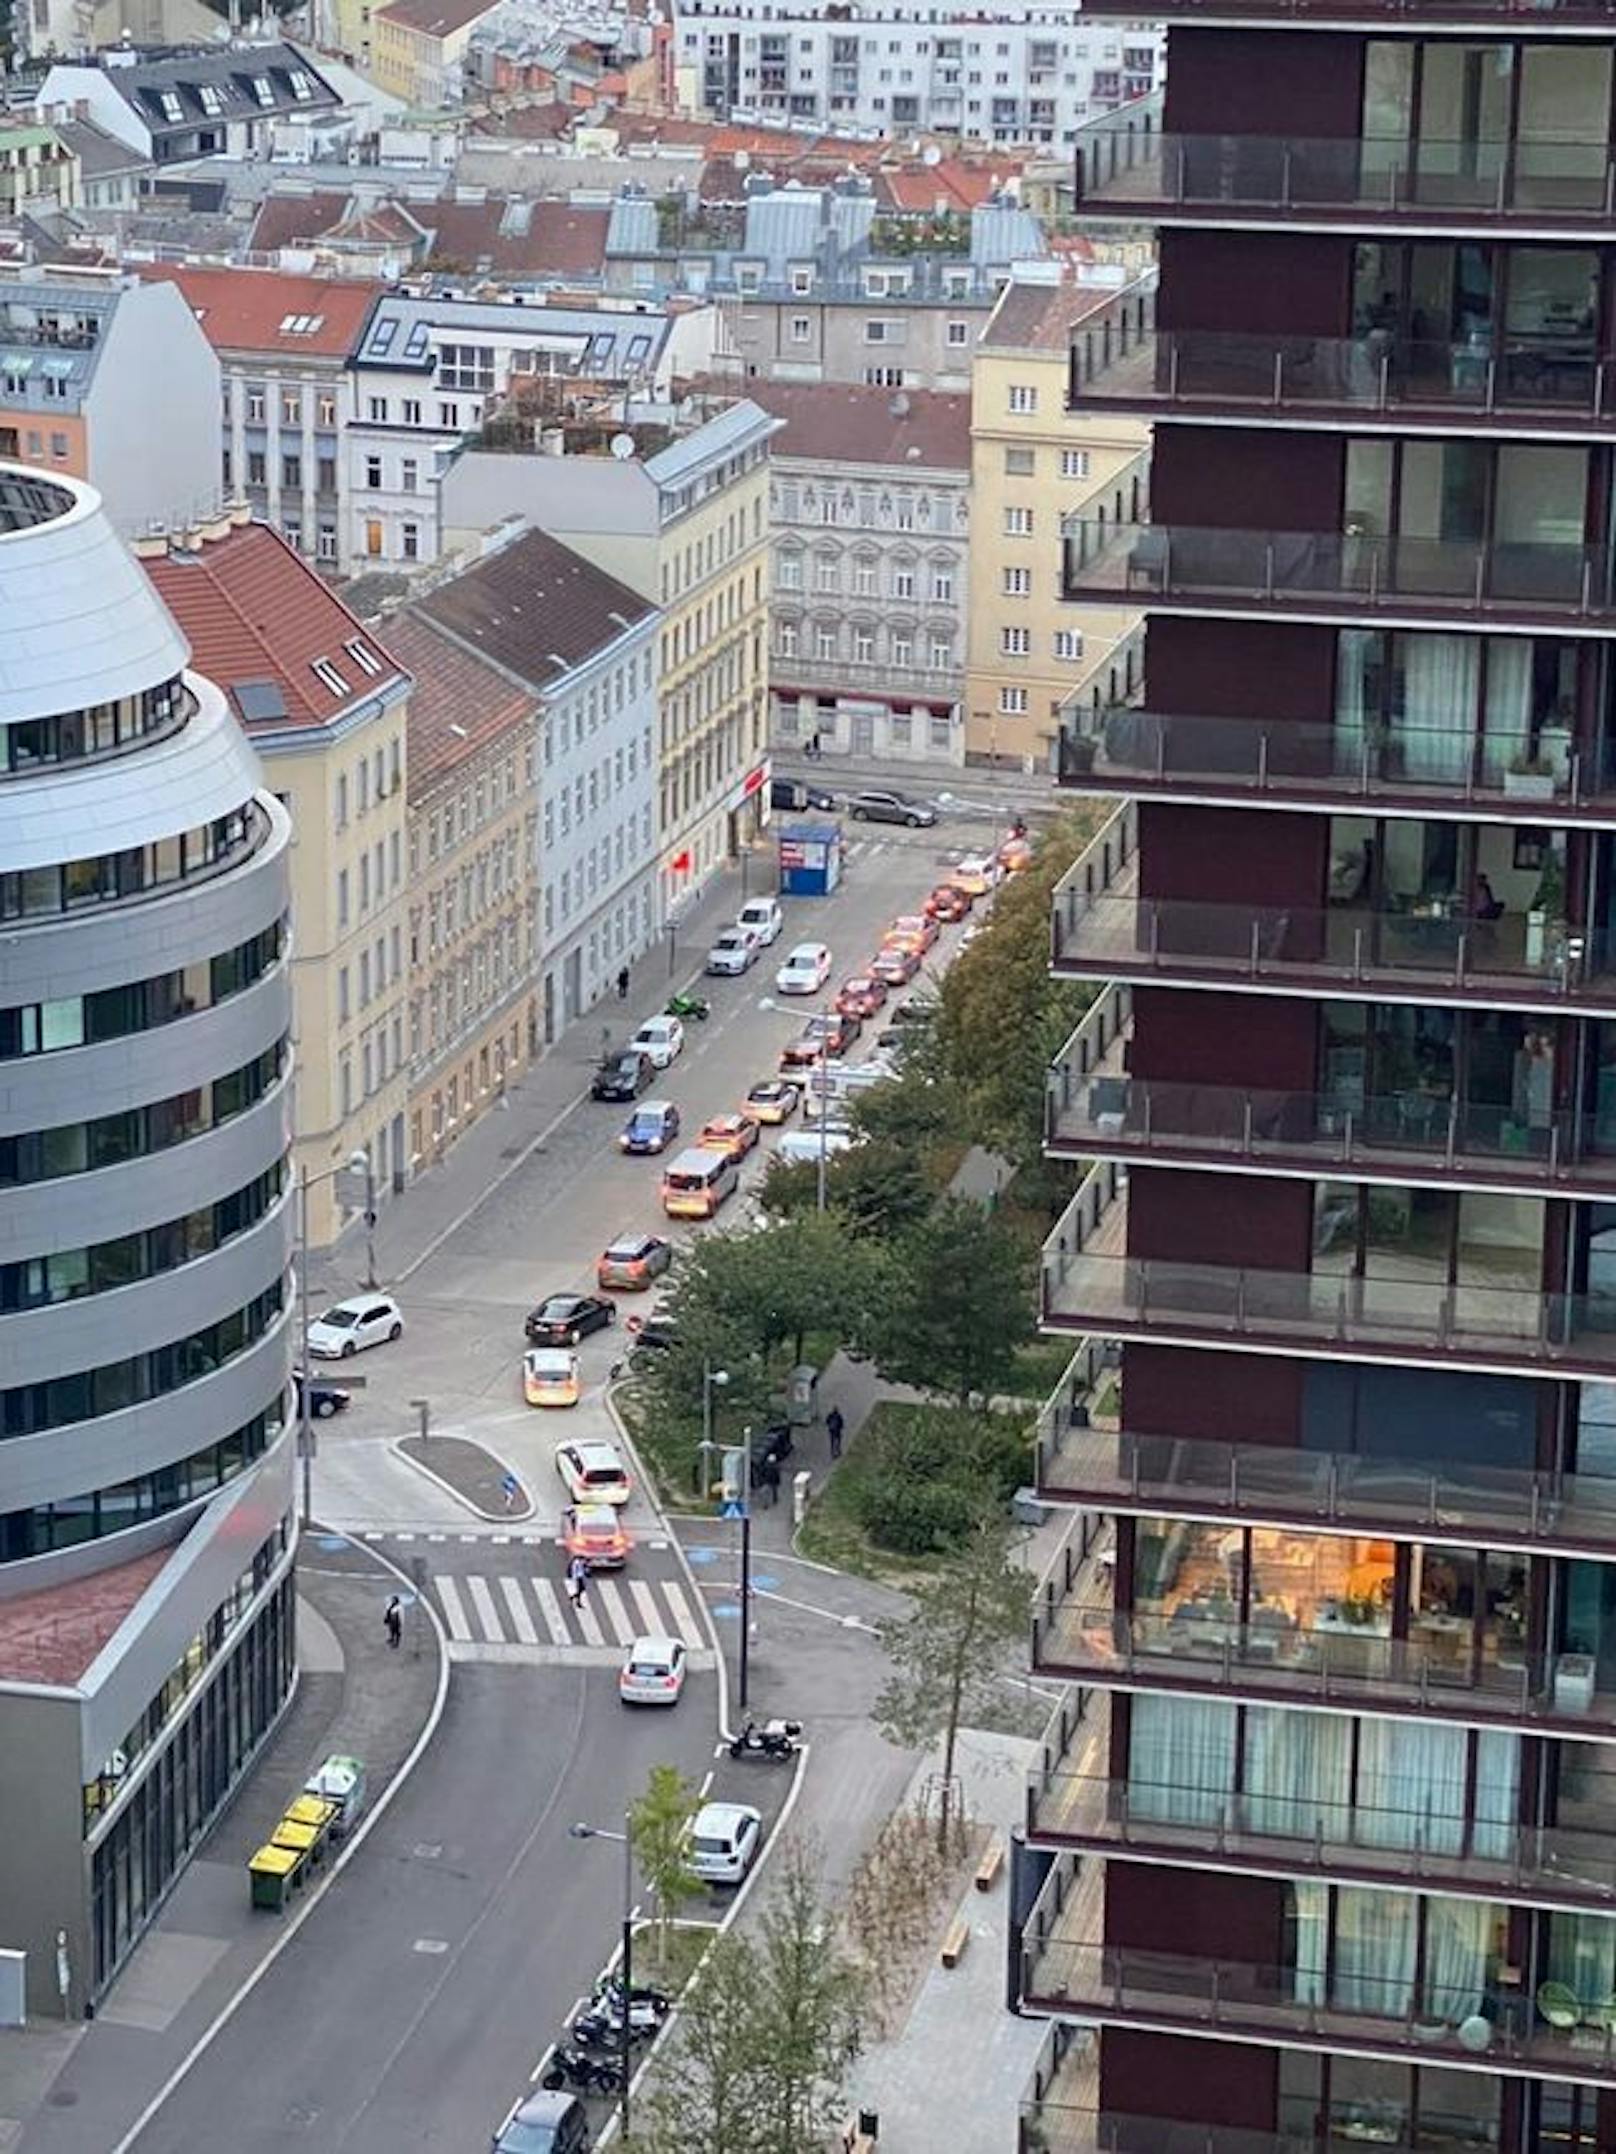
(430, 1944)
(61, 2098)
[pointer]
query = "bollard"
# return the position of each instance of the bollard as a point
(801, 1483)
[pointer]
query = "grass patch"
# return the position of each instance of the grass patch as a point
(667, 1449)
(892, 1508)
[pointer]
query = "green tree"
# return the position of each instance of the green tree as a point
(658, 1825)
(927, 1471)
(759, 2055)
(873, 1192)
(947, 1656)
(960, 1303)
(1003, 1017)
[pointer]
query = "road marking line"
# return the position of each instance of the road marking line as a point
(483, 1601)
(521, 1621)
(585, 1621)
(399, 1536)
(453, 1613)
(377, 1536)
(620, 1622)
(500, 1540)
(550, 1611)
(646, 1602)
(684, 1623)
(437, 1536)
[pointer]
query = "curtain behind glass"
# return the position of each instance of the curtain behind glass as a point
(1180, 1760)
(1375, 1942)
(1457, 1934)
(1411, 1785)
(1582, 1955)
(1498, 1794)
(1437, 722)
(1298, 1768)
(1507, 728)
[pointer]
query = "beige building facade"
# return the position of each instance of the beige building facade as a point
(1033, 463)
(326, 706)
(473, 885)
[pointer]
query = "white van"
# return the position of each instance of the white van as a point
(698, 1182)
(805, 971)
(764, 917)
(839, 1083)
(799, 1146)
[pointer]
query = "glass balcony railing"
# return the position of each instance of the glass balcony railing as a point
(1484, 2021)
(1429, 947)
(1116, 745)
(1119, 357)
(1352, 1842)
(1388, 1135)
(1131, 563)
(1567, 181)
(1206, 1477)
(1503, 1327)
(1271, 1655)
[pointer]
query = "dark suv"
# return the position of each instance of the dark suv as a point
(891, 808)
(622, 1076)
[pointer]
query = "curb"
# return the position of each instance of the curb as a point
(351, 1847)
(488, 1518)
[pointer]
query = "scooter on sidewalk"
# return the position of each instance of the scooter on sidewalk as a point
(776, 1740)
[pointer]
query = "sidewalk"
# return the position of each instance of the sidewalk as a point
(410, 1227)
(965, 781)
(71, 2088)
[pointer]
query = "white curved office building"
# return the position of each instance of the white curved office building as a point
(146, 1487)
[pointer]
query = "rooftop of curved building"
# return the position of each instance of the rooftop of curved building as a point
(79, 622)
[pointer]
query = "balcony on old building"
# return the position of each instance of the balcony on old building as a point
(1074, 1800)
(1395, 764)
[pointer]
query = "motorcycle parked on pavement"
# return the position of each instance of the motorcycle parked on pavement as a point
(600, 2025)
(776, 1739)
(576, 2068)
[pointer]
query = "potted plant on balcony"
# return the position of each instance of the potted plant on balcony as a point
(1545, 918)
(1529, 777)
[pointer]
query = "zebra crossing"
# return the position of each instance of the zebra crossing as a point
(524, 1616)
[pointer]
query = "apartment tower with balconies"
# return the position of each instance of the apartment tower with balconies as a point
(1324, 1837)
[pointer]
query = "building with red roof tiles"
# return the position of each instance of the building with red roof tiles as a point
(476, 1020)
(519, 237)
(283, 343)
(325, 703)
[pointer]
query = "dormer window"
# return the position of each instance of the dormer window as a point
(173, 110)
(363, 657)
(326, 673)
(207, 96)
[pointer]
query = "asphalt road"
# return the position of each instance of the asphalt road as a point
(411, 2008)
(414, 2003)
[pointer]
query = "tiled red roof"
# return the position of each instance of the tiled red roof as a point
(459, 704)
(952, 183)
(1037, 317)
(54, 1635)
(291, 220)
(855, 425)
(256, 615)
(247, 310)
(529, 239)
(436, 18)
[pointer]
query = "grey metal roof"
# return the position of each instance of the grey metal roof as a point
(1005, 232)
(709, 444)
(231, 75)
(783, 227)
(633, 229)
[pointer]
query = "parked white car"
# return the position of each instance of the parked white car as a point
(764, 917)
(659, 1039)
(654, 1672)
(724, 1840)
(805, 970)
(734, 950)
(353, 1325)
(798, 1145)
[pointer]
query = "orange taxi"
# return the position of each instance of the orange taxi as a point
(594, 1531)
(732, 1134)
(913, 931)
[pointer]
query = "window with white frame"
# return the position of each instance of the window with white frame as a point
(1015, 642)
(957, 334)
(1013, 702)
(903, 648)
(942, 583)
(864, 575)
(942, 654)
(827, 573)
(1016, 582)
(785, 638)
(903, 579)
(824, 641)
(1023, 398)
(801, 329)
(1074, 463)
(1018, 523)
(1068, 643)
(788, 571)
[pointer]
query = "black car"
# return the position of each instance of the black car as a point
(324, 1399)
(892, 808)
(622, 1076)
(797, 793)
(566, 1318)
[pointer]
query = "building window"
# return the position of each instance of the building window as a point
(864, 575)
(785, 639)
(412, 411)
(292, 474)
(800, 328)
(1074, 463)
(378, 410)
(255, 407)
(903, 649)
(942, 584)
(412, 542)
(957, 335)
(1016, 582)
(903, 579)
(373, 473)
(1068, 643)
(824, 642)
(1020, 463)
(788, 572)
(1013, 702)
(291, 408)
(255, 467)
(883, 377)
(827, 573)
(1015, 642)
(1023, 398)
(327, 411)
(1018, 523)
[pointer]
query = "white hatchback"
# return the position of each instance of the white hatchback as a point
(659, 1039)
(724, 1840)
(654, 1672)
(805, 971)
(365, 1321)
(763, 916)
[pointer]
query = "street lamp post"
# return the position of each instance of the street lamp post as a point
(824, 1104)
(358, 1163)
(582, 1831)
(711, 1379)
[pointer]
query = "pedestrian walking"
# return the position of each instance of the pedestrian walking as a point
(622, 983)
(510, 1488)
(577, 1581)
(394, 1619)
(835, 1425)
(769, 1481)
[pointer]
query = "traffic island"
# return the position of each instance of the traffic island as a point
(473, 1476)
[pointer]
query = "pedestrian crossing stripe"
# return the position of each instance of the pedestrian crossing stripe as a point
(530, 1611)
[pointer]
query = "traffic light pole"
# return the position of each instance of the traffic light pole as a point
(746, 1573)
